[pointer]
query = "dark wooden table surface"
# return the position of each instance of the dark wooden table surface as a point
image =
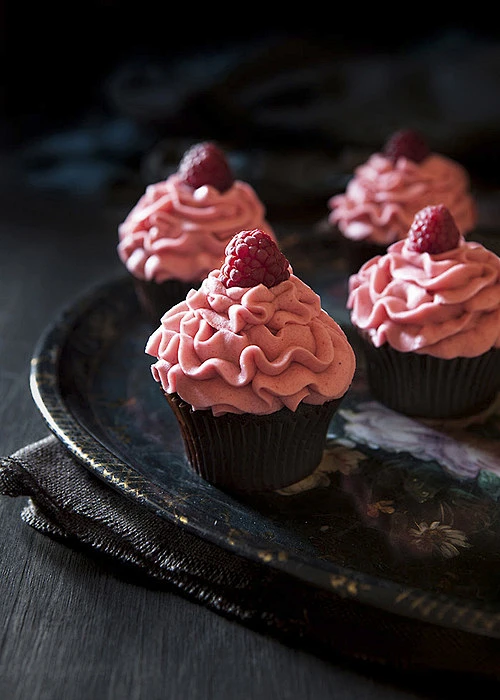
(69, 628)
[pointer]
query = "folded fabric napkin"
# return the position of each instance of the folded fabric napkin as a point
(68, 502)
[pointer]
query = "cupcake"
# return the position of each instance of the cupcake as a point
(385, 193)
(253, 368)
(428, 318)
(178, 230)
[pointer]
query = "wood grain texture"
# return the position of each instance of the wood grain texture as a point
(71, 627)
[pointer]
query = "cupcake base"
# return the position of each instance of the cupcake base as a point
(157, 298)
(429, 387)
(252, 453)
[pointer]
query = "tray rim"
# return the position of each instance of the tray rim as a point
(343, 581)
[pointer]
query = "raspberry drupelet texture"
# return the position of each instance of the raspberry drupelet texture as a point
(433, 231)
(253, 258)
(205, 164)
(406, 143)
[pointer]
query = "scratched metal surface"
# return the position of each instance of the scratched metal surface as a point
(400, 515)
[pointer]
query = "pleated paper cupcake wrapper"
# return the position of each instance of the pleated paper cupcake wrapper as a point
(157, 298)
(423, 386)
(251, 453)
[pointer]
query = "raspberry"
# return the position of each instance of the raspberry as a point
(406, 143)
(205, 164)
(253, 258)
(433, 231)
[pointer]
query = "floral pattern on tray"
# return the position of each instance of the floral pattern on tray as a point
(431, 488)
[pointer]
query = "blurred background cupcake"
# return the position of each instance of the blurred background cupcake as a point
(428, 318)
(386, 191)
(178, 230)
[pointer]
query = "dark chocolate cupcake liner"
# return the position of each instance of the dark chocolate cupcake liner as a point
(424, 386)
(252, 453)
(157, 298)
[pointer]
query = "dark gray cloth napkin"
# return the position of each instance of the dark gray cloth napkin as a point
(67, 502)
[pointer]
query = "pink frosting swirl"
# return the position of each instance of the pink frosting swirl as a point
(446, 305)
(382, 198)
(175, 232)
(251, 350)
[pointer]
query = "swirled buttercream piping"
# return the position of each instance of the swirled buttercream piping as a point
(251, 350)
(175, 232)
(382, 198)
(446, 305)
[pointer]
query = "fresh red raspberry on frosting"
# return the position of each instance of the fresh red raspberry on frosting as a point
(433, 231)
(205, 164)
(406, 143)
(253, 258)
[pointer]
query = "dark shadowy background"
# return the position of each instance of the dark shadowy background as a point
(101, 99)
